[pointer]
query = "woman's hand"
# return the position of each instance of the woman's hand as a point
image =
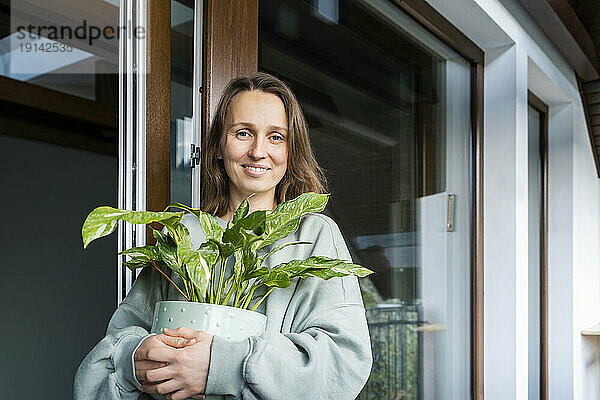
(143, 364)
(178, 371)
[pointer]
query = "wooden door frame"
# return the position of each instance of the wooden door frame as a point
(231, 49)
(158, 107)
(230, 29)
(542, 108)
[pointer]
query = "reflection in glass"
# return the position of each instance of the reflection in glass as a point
(69, 86)
(388, 110)
(65, 45)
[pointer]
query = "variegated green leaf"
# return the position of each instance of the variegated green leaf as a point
(140, 257)
(246, 230)
(285, 219)
(197, 267)
(238, 266)
(250, 259)
(209, 225)
(176, 230)
(225, 249)
(143, 251)
(275, 278)
(254, 222)
(241, 211)
(137, 262)
(168, 251)
(250, 262)
(328, 273)
(234, 237)
(277, 248)
(310, 267)
(209, 251)
(103, 221)
(257, 273)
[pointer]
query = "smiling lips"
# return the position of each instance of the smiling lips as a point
(255, 170)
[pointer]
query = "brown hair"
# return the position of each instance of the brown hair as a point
(303, 173)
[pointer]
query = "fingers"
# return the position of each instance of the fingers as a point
(147, 364)
(164, 388)
(161, 354)
(157, 342)
(186, 333)
(176, 341)
(153, 375)
(154, 350)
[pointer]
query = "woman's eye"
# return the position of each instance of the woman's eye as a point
(243, 134)
(277, 138)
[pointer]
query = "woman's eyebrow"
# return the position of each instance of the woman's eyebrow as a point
(246, 124)
(277, 128)
(252, 125)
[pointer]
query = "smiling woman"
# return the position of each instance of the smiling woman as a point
(316, 342)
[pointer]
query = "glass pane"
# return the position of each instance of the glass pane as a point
(58, 149)
(388, 109)
(534, 238)
(182, 96)
(65, 45)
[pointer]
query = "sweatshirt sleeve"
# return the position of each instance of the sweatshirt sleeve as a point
(107, 371)
(327, 354)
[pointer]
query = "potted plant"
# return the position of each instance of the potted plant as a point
(215, 305)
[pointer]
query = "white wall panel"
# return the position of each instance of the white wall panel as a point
(514, 43)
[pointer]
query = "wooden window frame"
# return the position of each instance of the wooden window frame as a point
(542, 109)
(230, 48)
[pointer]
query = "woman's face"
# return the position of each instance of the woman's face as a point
(254, 144)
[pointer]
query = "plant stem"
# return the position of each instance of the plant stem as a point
(236, 297)
(189, 286)
(238, 293)
(198, 295)
(211, 293)
(213, 283)
(261, 300)
(221, 274)
(187, 291)
(231, 289)
(193, 292)
(169, 279)
(231, 286)
(249, 297)
(185, 284)
(240, 297)
(228, 281)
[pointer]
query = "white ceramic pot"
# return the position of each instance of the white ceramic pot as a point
(228, 322)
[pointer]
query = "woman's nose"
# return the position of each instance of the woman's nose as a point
(257, 150)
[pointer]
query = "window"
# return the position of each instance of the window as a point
(388, 107)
